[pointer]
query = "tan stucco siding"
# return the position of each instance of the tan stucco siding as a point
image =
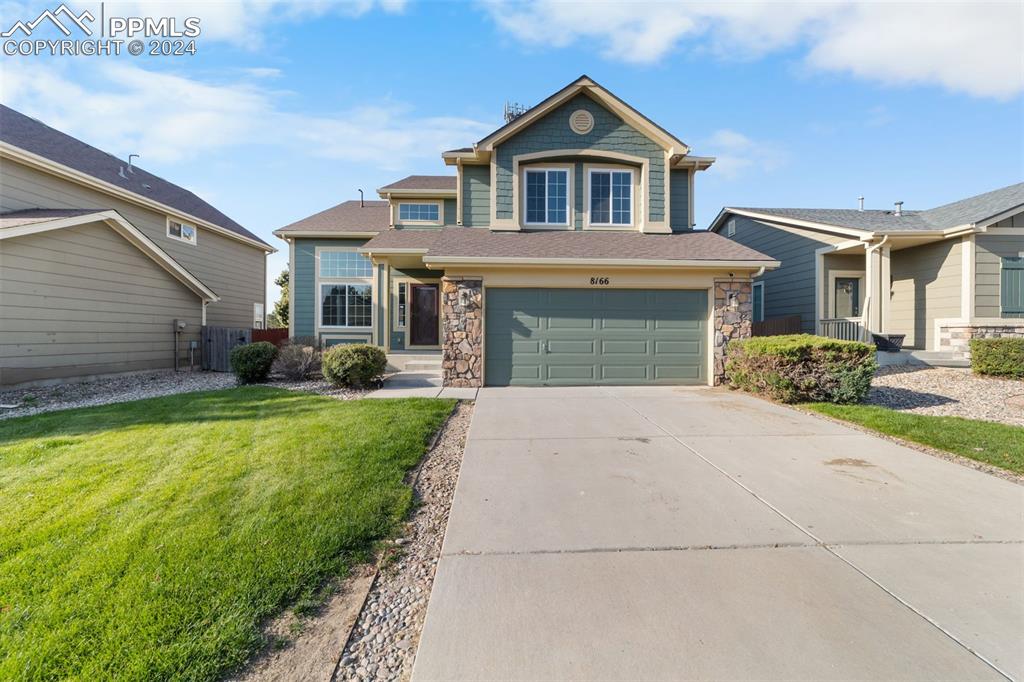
(235, 271)
(989, 251)
(926, 286)
(789, 290)
(83, 301)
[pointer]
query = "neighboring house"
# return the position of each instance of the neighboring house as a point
(939, 276)
(560, 252)
(101, 262)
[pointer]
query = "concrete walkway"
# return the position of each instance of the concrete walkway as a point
(669, 533)
(420, 385)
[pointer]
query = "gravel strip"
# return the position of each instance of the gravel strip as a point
(383, 643)
(116, 389)
(951, 392)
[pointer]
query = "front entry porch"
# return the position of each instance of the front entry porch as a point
(853, 292)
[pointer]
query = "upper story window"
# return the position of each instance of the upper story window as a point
(419, 212)
(611, 197)
(547, 196)
(344, 264)
(181, 231)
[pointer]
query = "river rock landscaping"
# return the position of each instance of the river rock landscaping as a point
(383, 644)
(951, 392)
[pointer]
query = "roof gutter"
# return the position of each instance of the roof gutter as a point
(608, 262)
(289, 234)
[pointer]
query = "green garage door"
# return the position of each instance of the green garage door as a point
(566, 337)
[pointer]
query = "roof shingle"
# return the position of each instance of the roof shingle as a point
(36, 137)
(348, 216)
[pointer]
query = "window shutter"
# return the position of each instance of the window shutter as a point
(1011, 287)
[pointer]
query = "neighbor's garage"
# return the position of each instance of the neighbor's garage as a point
(566, 337)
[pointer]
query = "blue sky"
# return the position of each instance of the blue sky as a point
(289, 108)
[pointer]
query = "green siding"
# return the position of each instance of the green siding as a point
(303, 281)
(476, 196)
(451, 212)
(552, 132)
(586, 336)
(1011, 300)
(679, 217)
(991, 249)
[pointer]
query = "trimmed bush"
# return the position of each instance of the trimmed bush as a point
(998, 357)
(297, 361)
(251, 363)
(802, 368)
(355, 364)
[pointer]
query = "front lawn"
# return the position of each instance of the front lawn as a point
(149, 540)
(998, 444)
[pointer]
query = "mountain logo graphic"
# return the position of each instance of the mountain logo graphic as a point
(54, 17)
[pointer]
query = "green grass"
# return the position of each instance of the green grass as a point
(998, 444)
(149, 540)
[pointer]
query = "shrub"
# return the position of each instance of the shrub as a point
(251, 362)
(802, 368)
(998, 357)
(296, 361)
(355, 365)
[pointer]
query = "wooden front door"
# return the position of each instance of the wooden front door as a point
(425, 300)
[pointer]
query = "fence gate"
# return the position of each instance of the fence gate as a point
(217, 344)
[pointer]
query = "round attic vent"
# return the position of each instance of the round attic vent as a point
(581, 122)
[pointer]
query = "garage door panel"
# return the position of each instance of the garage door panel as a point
(629, 347)
(571, 336)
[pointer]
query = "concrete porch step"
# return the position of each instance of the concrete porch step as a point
(923, 357)
(423, 366)
(414, 361)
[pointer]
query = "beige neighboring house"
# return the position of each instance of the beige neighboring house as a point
(940, 276)
(105, 268)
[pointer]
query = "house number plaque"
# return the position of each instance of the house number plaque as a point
(600, 281)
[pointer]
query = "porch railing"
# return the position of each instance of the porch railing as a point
(843, 328)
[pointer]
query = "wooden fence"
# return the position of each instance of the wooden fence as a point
(777, 326)
(217, 343)
(275, 336)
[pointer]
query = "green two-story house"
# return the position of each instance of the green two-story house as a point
(560, 251)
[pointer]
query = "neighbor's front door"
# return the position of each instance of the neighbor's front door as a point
(425, 298)
(847, 297)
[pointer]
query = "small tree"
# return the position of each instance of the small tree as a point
(279, 316)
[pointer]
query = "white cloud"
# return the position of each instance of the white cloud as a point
(971, 47)
(124, 108)
(736, 154)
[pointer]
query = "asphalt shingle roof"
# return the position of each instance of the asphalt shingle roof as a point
(424, 182)
(468, 242)
(964, 212)
(348, 216)
(36, 137)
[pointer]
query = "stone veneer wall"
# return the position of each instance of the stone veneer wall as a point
(956, 336)
(462, 347)
(730, 323)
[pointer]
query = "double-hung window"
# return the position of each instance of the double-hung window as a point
(611, 197)
(547, 196)
(345, 294)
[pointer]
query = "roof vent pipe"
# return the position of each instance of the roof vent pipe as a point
(860, 203)
(360, 198)
(131, 169)
(899, 209)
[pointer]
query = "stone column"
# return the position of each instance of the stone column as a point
(732, 320)
(462, 323)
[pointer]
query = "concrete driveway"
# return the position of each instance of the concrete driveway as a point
(673, 533)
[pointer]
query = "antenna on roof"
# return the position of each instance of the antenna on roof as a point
(513, 110)
(131, 169)
(360, 198)
(860, 203)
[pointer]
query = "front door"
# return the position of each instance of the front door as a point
(847, 297)
(425, 299)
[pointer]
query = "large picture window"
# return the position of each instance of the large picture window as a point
(611, 197)
(345, 305)
(547, 196)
